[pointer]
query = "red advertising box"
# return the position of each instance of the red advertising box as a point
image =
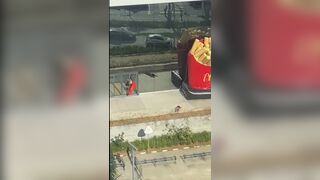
(183, 50)
(199, 75)
(185, 43)
(182, 58)
(285, 43)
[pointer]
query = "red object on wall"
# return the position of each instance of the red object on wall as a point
(284, 45)
(75, 82)
(182, 56)
(132, 88)
(183, 50)
(199, 75)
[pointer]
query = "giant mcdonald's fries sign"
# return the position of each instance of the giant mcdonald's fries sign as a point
(199, 65)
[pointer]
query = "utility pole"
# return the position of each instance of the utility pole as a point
(148, 131)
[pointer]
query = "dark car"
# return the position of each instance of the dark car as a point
(157, 40)
(121, 35)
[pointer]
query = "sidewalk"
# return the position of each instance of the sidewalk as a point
(190, 169)
(152, 104)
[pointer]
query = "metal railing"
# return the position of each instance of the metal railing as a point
(136, 170)
(120, 162)
(202, 155)
(156, 161)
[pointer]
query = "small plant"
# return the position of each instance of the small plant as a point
(113, 168)
(118, 143)
(183, 135)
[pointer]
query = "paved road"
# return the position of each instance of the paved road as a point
(160, 83)
(141, 39)
(190, 14)
(188, 170)
(156, 14)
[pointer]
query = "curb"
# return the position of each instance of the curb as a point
(162, 117)
(166, 150)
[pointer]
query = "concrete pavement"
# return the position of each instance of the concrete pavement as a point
(152, 104)
(181, 170)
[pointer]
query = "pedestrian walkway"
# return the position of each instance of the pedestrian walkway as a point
(152, 104)
(197, 168)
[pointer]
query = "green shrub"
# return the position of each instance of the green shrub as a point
(174, 136)
(182, 135)
(202, 137)
(118, 143)
(113, 168)
(134, 49)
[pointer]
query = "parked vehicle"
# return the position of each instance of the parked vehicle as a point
(158, 40)
(121, 35)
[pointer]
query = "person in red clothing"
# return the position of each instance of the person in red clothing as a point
(74, 81)
(132, 87)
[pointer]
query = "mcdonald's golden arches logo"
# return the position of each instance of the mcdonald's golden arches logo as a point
(207, 77)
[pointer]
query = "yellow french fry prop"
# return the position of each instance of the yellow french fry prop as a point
(202, 58)
(206, 42)
(207, 60)
(195, 46)
(200, 46)
(200, 52)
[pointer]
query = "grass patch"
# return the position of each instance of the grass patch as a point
(133, 49)
(174, 137)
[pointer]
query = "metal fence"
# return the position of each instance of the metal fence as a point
(202, 155)
(155, 161)
(120, 162)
